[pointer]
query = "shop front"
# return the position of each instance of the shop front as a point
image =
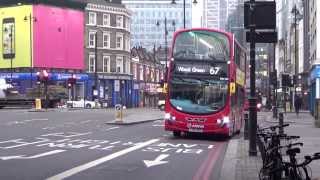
(314, 88)
(149, 94)
(112, 90)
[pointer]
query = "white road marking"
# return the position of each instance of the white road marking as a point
(158, 125)
(84, 122)
(96, 162)
(44, 119)
(32, 157)
(66, 135)
(157, 161)
(117, 142)
(25, 121)
(21, 143)
(210, 147)
(112, 128)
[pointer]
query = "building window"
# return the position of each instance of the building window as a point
(128, 66)
(141, 72)
(119, 21)
(106, 62)
(106, 40)
(134, 69)
(127, 45)
(106, 20)
(92, 36)
(92, 18)
(119, 64)
(91, 63)
(119, 43)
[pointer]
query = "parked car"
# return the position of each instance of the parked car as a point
(161, 104)
(83, 104)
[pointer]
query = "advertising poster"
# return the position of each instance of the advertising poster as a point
(8, 38)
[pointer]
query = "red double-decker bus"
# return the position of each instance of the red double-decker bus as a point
(205, 83)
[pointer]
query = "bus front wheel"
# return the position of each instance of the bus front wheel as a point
(176, 133)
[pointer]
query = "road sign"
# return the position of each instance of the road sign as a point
(263, 14)
(263, 37)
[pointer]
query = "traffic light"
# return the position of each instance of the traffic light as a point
(72, 80)
(45, 76)
(273, 78)
(286, 80)
(295, 80)
(38, 78)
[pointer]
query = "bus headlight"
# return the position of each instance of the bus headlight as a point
(226, 120)
(167, 116)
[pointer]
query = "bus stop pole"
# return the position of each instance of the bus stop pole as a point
(252, 98)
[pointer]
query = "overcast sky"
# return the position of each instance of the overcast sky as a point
(196, 13)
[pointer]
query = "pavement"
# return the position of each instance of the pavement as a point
(129, 116)
(239, 165)
(133, 116)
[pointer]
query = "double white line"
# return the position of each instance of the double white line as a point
(91, 164)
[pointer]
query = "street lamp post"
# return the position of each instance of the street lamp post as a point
(166, 38)
(184, 10)
(96, 62)
(297, 17)
(31, 19)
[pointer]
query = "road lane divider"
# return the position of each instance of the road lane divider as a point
(32, 157)
(99, 161)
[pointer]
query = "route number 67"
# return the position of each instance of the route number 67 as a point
(214, 70)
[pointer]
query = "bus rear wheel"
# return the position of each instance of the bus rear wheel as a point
(176, 133)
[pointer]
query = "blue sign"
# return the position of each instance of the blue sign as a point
(315, 73)
(52, 76)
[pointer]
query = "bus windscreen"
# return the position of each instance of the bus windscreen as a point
(201, 45)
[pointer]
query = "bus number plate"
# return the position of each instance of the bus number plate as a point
(195, 130)
(195, 127)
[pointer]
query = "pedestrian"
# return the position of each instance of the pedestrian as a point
(297, 104)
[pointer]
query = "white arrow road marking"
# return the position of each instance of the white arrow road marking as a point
(157, 161)
(32, 157)
(104, 159)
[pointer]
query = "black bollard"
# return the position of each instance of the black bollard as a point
(246, 126)
(281, 131)
(275, 112)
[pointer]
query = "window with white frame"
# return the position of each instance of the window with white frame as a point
(106, 64)
(128, 24)
(106, 39)
(134, 69)
(119, 21)
(141, 72)
(92, 18)
(91, 63)
(127, 45)
(119, 64)
(106, 20)
(128, 67)
(152, 75)
(157, 75)
(92, 36)
(119, 41)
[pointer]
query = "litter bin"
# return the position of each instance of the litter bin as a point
(118, 110)
(38, 104)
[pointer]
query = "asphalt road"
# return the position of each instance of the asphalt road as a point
(79, 145)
